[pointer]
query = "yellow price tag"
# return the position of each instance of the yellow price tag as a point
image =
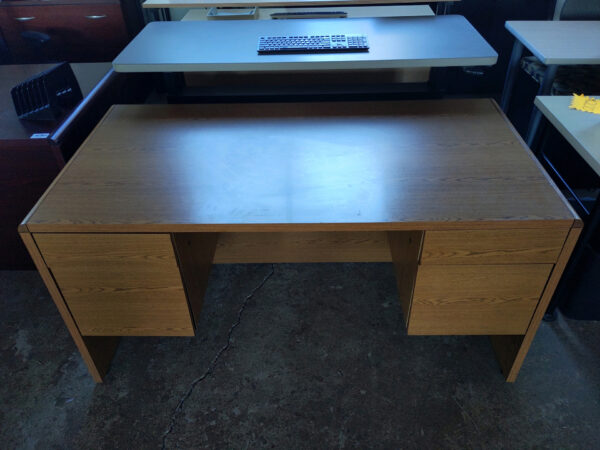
(585, 103)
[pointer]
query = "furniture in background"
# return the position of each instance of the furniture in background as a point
(33, 152)
(569, 79)
(577, 294)
(441, 8)
(554, 44)
(395, 42)
(68, 30)
(352, 12)
(577, 10)
(410, 44)
(303, 82)
(125, 238)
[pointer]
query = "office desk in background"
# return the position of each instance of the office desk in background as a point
(303, 82)
(125, 237)
(578, 300)
(221, 46)
(554, 43)
(149, 4)
(353, 12)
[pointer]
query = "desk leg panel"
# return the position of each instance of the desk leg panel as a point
(97, 352)
(195, 253)
(405, 247)
(511, 350)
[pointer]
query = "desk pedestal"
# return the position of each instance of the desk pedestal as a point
(462, 282)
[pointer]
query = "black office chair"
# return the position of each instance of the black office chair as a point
(569, 79)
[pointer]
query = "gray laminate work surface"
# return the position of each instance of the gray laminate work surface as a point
(395, 42)
(559, 42)
(580, 129)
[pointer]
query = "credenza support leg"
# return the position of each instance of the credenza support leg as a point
(96, 351)
(511, 350)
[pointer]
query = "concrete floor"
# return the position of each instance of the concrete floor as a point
(320, 359)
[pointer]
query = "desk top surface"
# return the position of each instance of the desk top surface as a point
(441, 164)
(559, 41)
(395, 42)
(270, 3)
(87, 74)
(581, 129)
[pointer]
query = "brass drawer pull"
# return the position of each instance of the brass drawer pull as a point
(24, 19)
(101, 16)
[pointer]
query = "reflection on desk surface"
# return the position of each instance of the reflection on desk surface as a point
(358, 165)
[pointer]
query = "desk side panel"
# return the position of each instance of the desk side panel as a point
(511, 350)
(97, 352)
(195, 254)
(405, 247)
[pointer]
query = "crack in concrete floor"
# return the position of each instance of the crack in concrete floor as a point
(215, 360)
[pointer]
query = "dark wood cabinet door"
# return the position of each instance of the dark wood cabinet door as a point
(84, 32)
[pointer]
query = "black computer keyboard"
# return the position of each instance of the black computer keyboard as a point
(313, 44)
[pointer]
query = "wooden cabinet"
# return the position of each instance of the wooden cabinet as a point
(84, 31)
(119, 284)
(481, 281)
(476, 299)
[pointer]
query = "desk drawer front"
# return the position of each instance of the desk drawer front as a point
(493, 246)
(119, 284)
(476, 299)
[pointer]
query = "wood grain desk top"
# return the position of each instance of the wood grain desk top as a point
(230, 45)
(559, 41)
(580, 129)
(270, 3)
(441, 164)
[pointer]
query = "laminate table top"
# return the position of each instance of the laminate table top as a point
(343, 166)
(395, 42)
(559, 41)
(580, 129)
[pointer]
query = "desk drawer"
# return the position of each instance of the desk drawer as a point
(119, 284)
(476, 299)
(493, 246)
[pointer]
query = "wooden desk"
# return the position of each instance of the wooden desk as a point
(395, 42)
(125, 237)
(554, 43)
